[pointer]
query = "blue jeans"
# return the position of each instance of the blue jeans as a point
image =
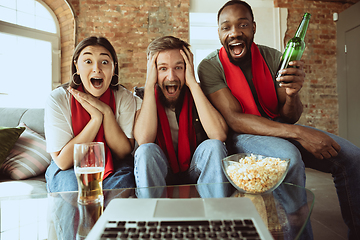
(58, 180)
(345, 168)
(152, 169)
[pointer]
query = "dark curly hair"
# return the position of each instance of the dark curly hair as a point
(234, 2)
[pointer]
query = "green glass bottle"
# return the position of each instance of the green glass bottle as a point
(295, 47)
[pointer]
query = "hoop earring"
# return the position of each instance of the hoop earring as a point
(118, 83)
(73, 80)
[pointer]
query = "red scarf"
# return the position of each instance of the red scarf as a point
(262, 79)
(80, 117)
(186, 139)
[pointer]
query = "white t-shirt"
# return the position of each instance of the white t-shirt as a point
(57, 122)
(174, 127)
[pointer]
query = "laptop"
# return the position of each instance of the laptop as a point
(193, 218)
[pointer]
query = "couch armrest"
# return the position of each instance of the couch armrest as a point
(32, 117)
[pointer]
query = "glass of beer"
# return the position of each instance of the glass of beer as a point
(89, 166)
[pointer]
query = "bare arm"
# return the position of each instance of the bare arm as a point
(116, 139)
(211, 120)
(316, 142)
(230, 108)
(145, 128)
(64, 157)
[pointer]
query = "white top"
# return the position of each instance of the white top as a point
(57, 122)
(174, 127)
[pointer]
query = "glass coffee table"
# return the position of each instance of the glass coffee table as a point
(59, 216)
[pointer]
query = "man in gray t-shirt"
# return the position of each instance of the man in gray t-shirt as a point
(262, 111)
(212, 71)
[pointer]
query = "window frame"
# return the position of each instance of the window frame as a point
(53, 38)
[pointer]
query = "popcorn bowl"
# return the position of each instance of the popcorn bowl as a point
(253, 173)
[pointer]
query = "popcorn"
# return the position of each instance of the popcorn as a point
(256, 175)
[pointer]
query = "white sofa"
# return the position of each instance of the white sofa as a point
(34, 119)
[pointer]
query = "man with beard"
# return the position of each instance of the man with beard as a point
(180, 134)
(239, 80)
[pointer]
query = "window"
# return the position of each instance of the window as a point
(29, 53)
(204, 37)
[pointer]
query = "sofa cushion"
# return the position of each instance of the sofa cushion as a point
(32, 117)
(28, 157)
(8, 137)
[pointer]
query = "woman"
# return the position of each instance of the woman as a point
(92, 108)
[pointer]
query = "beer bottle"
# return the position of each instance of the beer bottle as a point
(295, 47)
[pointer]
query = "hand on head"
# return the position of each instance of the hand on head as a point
(189, 63)
(151, 74)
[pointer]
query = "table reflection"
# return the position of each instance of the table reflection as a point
(88, 215)
(285, 211)
(219, 190)
(71, 220)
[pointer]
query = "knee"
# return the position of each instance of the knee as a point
(148, 155)
(146, 149)
(213, 145)
(61, 181)
(283, 149)
(209, 154)
(295, 158)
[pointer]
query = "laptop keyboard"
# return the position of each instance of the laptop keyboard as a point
(221, 229)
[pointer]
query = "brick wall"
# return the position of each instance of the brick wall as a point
(319, 93)
(131, 24)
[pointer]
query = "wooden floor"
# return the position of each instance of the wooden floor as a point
(326, 217)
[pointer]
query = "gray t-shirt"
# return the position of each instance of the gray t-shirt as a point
(211, 73)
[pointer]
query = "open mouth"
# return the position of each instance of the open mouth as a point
(97, 82)
(172, 88)
(237, 49)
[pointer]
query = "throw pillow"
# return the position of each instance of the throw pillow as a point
(8, 137)
(28, 157)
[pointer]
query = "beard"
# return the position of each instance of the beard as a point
(171, 104)
(240, 61)
(246, 57)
